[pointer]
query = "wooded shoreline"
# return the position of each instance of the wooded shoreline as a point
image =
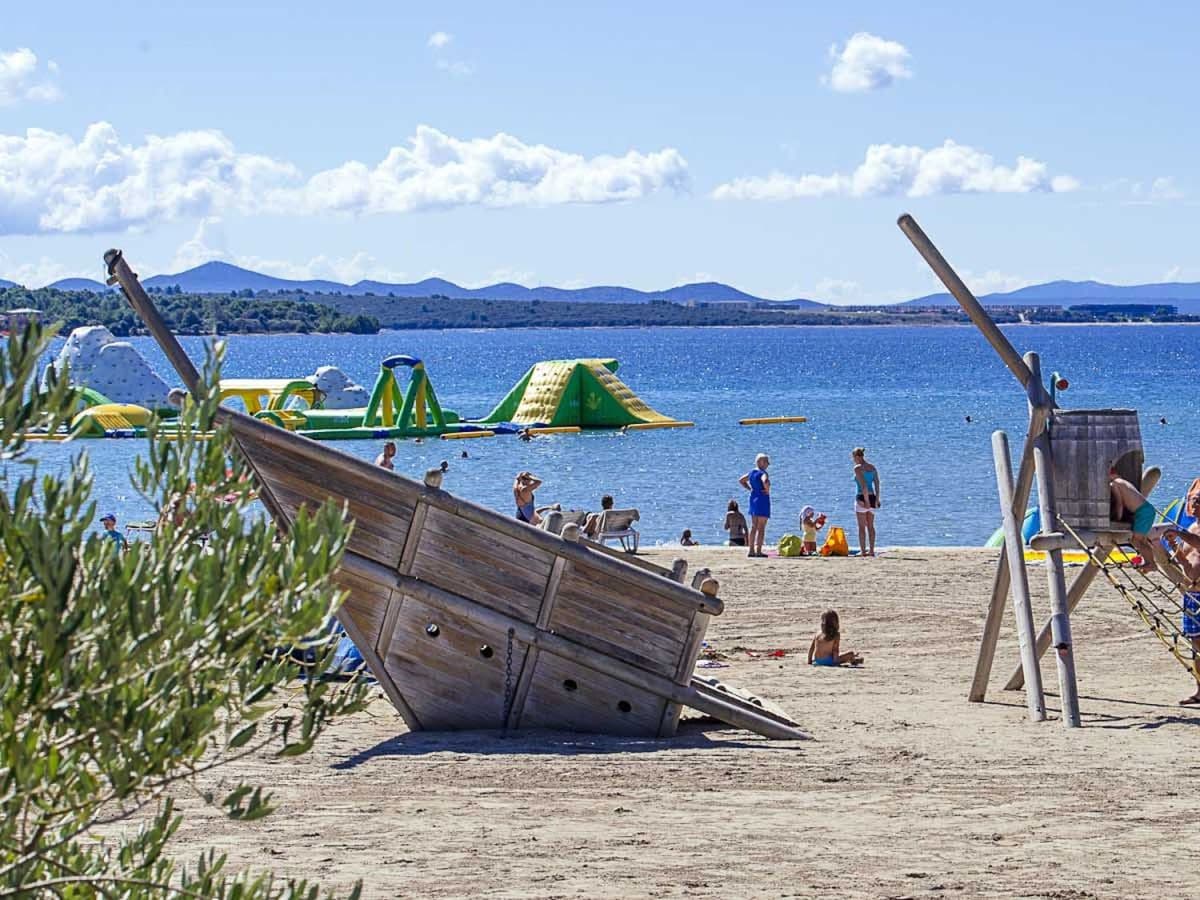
(247, 312)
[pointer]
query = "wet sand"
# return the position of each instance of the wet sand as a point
(906, 791)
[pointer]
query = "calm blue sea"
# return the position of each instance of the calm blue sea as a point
(904, 393)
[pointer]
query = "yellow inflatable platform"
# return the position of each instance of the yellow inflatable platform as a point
(584, 393)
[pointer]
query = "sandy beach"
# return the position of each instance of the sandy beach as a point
(906, 791)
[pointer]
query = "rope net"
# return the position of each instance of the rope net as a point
(1161, 603)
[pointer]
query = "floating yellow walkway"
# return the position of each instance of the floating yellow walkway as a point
(773, 420)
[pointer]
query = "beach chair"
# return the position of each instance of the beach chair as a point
(617, 525)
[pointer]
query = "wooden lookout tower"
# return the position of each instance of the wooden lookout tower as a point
(1070, 454)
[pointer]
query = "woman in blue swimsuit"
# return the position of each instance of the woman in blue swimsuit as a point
(523, 488)
(758, 483)
(867, 500)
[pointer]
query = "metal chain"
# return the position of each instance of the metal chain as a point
(508, 687)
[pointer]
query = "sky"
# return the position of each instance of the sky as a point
(770, 146)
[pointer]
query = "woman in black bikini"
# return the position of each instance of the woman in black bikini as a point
(735, 524)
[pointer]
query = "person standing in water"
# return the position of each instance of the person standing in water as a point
(384, 459)
(523, 487)
(758, 483)
(867, 499)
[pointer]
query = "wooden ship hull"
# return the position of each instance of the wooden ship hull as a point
(471, 619)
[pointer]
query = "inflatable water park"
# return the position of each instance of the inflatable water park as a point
(121, 396)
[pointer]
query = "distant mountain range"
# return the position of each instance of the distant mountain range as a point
(221, 278)
(1184, 296)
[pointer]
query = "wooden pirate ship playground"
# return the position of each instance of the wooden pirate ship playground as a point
(1070, 454)
(470, 619)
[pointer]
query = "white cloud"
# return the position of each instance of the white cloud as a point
(50, 182)
(837, 290)
(21, 79)
(867, 63)
(500, 276)
(892, 170)
(438, 171)
(361, 266)
(438, 42)
(1140, 192)
(43, 271)
(1160, 190)
(455, 67)
(992, 282)
(209, 243)
(1165, 189)
(206, 245)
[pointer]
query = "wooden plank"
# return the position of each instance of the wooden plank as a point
(366, 646)
(568, 696)
(530, 664)
(407, 554)
(621, 641)
(371, 487)
(592, 585)
(446, 676)
(413, 539)
(629, 558)
(598, 662)
(1019, 587)
(684, 672)
(477, 543)
(1002, 579)
(366, 603)
(966, 300)
(393, 524)
(338, 465)
(1059, 615)
(737, 696)
(492, 569)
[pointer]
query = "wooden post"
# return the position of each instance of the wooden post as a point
(1000, 585)
(1060, 615)
(1019, 578)
(120, 273)
(966, 299)
(1079, 588)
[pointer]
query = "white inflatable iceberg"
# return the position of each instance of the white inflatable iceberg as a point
(114, 368)
(338, 390)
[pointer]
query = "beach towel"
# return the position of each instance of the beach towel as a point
(835, 542)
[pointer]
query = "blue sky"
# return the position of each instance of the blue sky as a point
(621, 143)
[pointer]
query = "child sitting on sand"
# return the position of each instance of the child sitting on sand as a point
(686, 540)
(825, 649)
(810, 523)
(1130, 506)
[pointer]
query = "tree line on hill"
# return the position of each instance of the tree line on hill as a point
(189, 313)
(249, 312)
